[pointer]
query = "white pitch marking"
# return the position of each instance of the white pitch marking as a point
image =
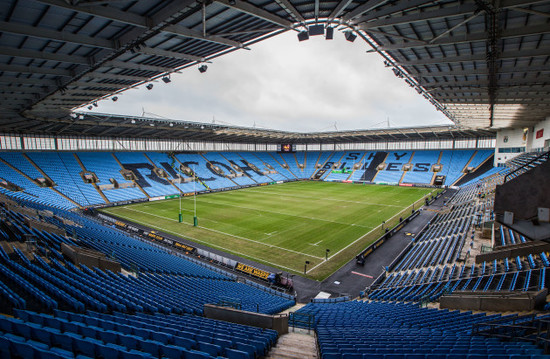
(227, 234)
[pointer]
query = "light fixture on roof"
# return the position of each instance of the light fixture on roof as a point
(171, 124)
(166, 79)
(90, 107)
(133, 121)
(95, 104)
(203, 68)
(397, 72)
(114, 98)
(350, 36)
(149, 86)
(303, 35)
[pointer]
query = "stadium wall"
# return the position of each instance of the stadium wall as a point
(14, 142)
(541, 136)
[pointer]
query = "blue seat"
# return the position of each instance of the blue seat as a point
(129, 341)
(62, 341)
(107, 352)
(212, 349)
(86, 346)
(185, 343)
(151, 346)
(353, 356)
(135, 354)
(237, 354)
(62, 352)
(37, 345)
(172, 352)
(42, 335)
(161, 337)
(193, 354)
(332, 356)
(108, 336)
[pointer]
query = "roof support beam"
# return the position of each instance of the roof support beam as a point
(477, 57)
(441, 13)
(363, 8)
(158, 21)
(43, 55)
(465, 38)
(134, 66)
(248, 8)
(339, 9)
(35, 70)
(40, 32)
(389, 10)
(288, 7)
(113, 76)
(170, 54)
(478, 72)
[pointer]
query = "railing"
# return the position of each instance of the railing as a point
(521, 328)
(544, 155)
(301, 320)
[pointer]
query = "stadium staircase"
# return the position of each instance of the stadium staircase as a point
(94, 184)
(293, 345)
(155, 165)
(371, 171)
(481, 169)
(135, 182)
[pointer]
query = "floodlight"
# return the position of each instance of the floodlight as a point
(149, 86)
(115, 98)
(166, 79)
(90, 107)
(203, 68)
(95, 104)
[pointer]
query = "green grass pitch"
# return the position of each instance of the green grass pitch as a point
(284, 225)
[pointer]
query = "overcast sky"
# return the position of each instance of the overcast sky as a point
(285, 84)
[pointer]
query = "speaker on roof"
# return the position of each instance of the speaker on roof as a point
(329, 35)
(350, 36)
(316, 30)
(303, 35)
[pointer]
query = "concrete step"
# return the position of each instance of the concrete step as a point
(294, 346)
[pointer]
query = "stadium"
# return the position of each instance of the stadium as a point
(137, 237)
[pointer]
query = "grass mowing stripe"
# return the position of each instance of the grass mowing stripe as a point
(217, 246)
(285, 224)
(285, 214)
(283, 194)
(227, 234)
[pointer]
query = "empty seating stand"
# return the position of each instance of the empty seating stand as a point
(397, 330)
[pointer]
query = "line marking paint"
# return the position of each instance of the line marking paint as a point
(362, 275)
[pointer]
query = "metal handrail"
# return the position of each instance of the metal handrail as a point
(545, 154)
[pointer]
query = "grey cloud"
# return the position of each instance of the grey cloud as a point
(284, 84)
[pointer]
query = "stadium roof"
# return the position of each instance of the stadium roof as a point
(107, 125)
(482, 63)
